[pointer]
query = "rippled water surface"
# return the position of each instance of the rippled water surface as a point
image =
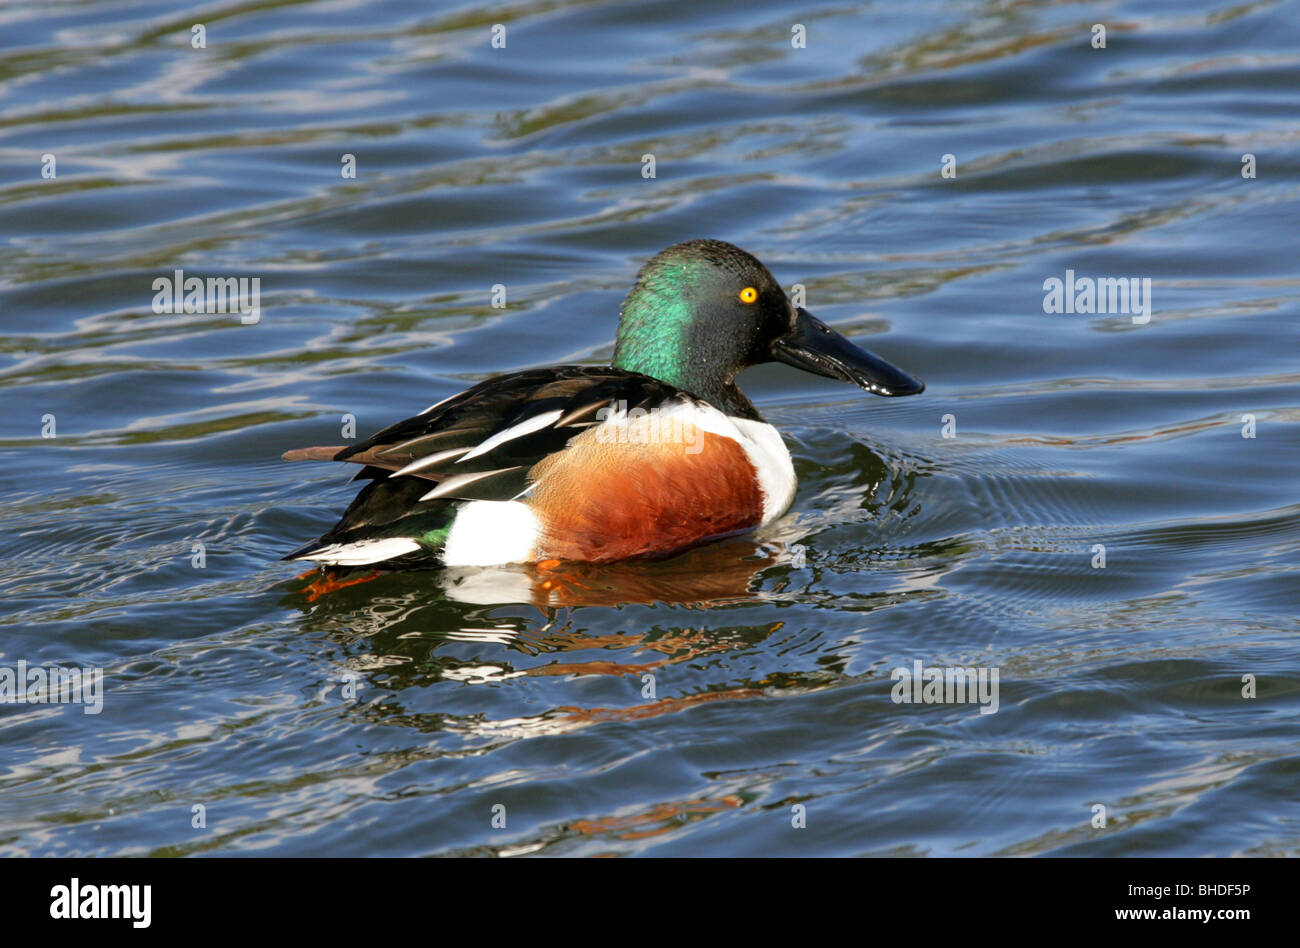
(961, 527)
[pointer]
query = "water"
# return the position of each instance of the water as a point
(224, 685)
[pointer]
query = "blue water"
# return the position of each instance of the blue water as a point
(398, 716)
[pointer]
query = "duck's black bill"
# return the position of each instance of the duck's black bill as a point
(815, 347)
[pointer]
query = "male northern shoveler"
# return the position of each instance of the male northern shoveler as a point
(653, 455)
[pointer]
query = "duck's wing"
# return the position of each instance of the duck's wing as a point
(481, 444)
(478, 445)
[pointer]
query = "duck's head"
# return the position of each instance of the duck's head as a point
(703, 310)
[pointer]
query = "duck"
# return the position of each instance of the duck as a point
(655, 454)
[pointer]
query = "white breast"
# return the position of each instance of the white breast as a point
(770, 457)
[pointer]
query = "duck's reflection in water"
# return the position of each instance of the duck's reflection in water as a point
(658, 820)
(406, 635)
(717, 574)
(712, 575)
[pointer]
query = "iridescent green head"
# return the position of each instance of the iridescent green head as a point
(703, 310)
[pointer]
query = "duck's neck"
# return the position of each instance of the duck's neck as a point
(721, 393)
(663, 333)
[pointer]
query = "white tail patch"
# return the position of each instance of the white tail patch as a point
(491, 533)
(363, 552)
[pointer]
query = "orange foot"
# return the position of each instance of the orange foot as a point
(559, 583)
(327, 584)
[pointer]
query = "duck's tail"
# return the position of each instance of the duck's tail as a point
(314, 454)
(387, 523)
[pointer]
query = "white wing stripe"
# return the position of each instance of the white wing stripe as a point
(424, 462)
(457, 481)
(527, 426)
(361, 552)
(437, 405)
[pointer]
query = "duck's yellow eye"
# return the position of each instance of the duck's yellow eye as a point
(748, 294)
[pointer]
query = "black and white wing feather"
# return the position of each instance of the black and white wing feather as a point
(478, 445)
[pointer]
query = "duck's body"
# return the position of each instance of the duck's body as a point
(656, 454)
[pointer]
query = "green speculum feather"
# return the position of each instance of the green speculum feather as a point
(434, 539)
